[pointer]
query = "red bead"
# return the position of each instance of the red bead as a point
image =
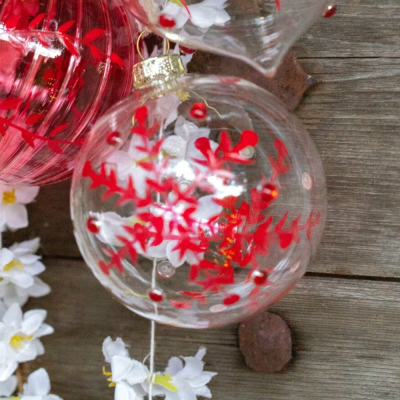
(186, 50)
(156, 295)
(259, 277)
(166, 21)
(198, 111)
(93, 225)
(269, 192)
(330, 11)
(232, 299)
(113, 138)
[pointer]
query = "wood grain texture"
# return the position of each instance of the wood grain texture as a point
(360, 28)
(355, 123)
(345, 335)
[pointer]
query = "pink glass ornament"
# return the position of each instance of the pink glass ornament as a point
(206, 217)
(63, 63)
(258, 32)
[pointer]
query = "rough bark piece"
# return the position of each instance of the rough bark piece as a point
(289, 85)
(265, 342)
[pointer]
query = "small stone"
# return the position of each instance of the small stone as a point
(265, 342)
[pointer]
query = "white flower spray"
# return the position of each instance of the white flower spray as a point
(21, 333)
(183, 379)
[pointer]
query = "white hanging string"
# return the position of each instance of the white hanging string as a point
(152, 335)
(153, 285)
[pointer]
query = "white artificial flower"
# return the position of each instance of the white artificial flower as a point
(127, 375)
(186, 58)
(19, 267)
(125, 164)
(187, 376)
(8, 387)
(38, 387)
(181, 145)
(183, 379)
(111, 226)
(164, 108)
(13, 213)
(20, 338)
(113, 348)
(206, 209)
(203, 14)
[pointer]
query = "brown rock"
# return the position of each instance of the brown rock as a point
(266, 343)
(289, 84)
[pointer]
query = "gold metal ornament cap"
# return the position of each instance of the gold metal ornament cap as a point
(158, 70)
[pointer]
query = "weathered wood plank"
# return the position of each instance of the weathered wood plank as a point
(345, 338)
(360, 28)
(355, 123)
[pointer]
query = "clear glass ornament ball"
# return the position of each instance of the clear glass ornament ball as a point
(198, 201)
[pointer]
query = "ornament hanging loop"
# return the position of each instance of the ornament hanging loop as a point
(139, 40)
